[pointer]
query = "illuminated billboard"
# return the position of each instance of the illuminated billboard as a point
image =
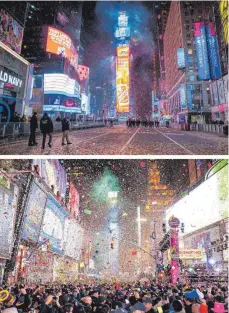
(61, 44)
(11, 33)
(181, 58)
(60, 84)
(122, 79)
(201, 51)
(223, 7)
(206, 204)
(213, 52)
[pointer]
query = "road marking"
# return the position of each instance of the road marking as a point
(176, 143)
(126, 144)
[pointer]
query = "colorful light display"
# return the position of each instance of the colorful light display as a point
(223, 7)
(122, 79)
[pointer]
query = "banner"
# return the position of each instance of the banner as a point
(221, 92)
(73, 239)
(73, 200)
(181, 58)
(191, 254)
(182, 97)
(201, 51)
(11, 33)
(34, 213)
(213, 52)
(174, 250)
(8, 207)
(122, 79)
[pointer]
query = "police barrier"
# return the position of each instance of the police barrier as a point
(19, 130)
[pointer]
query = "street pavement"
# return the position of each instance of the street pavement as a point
(120, 140)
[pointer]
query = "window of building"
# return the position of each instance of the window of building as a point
(189, 51)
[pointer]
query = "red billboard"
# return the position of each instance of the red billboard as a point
(61, 44)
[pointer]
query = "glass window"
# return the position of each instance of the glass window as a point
(189, 51)
(192, 78)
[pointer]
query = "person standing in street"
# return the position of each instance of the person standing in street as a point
(33, 127)
(65, 130)
(46, 126)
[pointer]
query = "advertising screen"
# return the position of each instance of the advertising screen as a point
(8, 206)
(223, 7)
(122, 79)
(181, 58)
(201, 51)
(73, 239)
(213, 52)
(210, 200)
(11, 33)
(60, 84)
(37, 100)
(53, 225)
(54, 174)
(73, 200)
(61, 44)
(34, 212)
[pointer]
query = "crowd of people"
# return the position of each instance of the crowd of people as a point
(117, 298)
(132, 122)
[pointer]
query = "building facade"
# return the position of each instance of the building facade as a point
(187, 80)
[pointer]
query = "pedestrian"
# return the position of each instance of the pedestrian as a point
(148, 303)
(46, 126)
(33, 127)
(65, 130)
(102, 307)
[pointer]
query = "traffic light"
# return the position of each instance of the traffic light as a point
(112, 244)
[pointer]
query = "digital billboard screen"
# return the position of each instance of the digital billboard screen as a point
(122, 79)
(61, 84)
(61, 44)
(210, 199)
(34, 212)
(201, 51)
(11, 33)
(74, 231)
(213, 52)
(53, 225)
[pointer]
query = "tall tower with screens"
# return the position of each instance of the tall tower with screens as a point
(122, 34)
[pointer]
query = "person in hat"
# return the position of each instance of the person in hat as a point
(148, 302)
(178, 307)
(219, 308)
(140, 307)
(102, 307)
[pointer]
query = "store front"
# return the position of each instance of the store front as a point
(13, 82)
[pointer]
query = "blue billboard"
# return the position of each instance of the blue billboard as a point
(35, 207)
(182, 97)
(201, 51)
(189, 96)
(181, 58)
(213, 52)
(53, 225)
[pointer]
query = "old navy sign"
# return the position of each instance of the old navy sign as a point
(201, 51)
(213, 52)
(7, 78)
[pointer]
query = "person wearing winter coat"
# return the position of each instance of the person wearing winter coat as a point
(33, 127)
(46, 127)
(65, 130)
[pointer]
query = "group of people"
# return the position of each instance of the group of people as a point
(131, 122)
(114, 298)
(46, 128)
